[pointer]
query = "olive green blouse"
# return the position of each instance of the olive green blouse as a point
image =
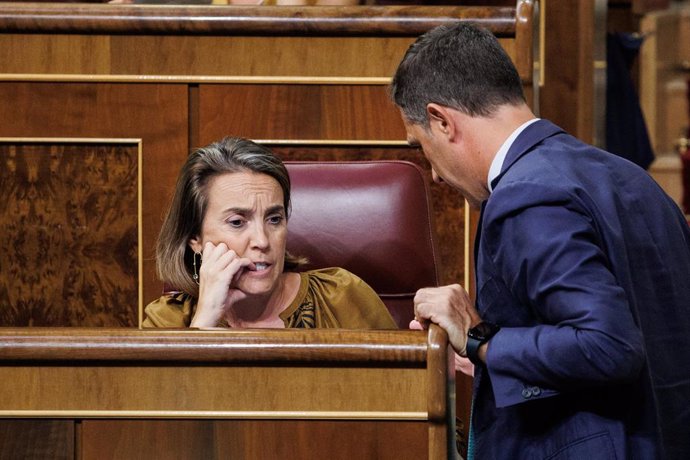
(327, 298)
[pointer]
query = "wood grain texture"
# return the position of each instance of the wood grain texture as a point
(208, 382)
(249, 440)
(109, 371)
(154, 113)
(566, 97)
(239, 20)
(75, 345)
(70, 220)
(37, 439)
(338, 112)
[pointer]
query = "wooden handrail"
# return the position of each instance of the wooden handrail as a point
(246, 346)
(81, 18)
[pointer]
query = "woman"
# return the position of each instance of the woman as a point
(223, 245)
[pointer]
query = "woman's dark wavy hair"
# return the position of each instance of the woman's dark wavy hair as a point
(188, 207)
(460, 66)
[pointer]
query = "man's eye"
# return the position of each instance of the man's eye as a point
(275, 220)
(235, 223)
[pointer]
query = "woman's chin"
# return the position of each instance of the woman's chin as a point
(255, 287)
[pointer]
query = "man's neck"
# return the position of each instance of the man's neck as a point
(492, 131)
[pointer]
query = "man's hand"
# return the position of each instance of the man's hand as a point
(451, 308)
(463, 365)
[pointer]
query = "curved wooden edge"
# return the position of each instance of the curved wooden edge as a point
(527, 32)
(440, 366)
(441, 394)
(396, 347)
(242, 20)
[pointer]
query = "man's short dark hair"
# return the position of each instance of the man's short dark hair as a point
(461, 66)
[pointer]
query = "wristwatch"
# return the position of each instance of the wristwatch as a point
(476, 336)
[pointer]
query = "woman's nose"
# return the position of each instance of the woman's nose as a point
(259, 237)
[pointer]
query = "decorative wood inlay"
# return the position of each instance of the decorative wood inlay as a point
(207, 79)
(70, 216)
(237, 415)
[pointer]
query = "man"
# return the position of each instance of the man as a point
(581, 331)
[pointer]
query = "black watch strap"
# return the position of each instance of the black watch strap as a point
(473, 350)
(478, 335)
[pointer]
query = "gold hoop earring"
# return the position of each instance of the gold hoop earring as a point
(195, 277)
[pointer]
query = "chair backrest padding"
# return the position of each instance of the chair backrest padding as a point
(372, 218)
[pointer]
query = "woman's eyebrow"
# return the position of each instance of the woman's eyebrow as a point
(277, 208)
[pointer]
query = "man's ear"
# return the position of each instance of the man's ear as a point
(441, 120)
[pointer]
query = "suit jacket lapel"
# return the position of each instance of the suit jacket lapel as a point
(531, 136)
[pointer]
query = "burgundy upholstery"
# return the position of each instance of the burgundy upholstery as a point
(370, 217)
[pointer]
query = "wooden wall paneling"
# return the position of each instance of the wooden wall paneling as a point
(254, 439)
(664, 72)
(298, 111)
(71, 219)
(45, 54)
(154, 113)
(566, 97)
(228, 41)
(39, 439)
(207, 56)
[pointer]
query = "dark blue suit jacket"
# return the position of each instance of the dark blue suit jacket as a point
(584, 262)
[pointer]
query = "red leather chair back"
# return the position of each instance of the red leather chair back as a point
(372, 218)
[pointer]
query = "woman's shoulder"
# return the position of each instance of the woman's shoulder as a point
(336, 275)
(349, 298)
(169, 310)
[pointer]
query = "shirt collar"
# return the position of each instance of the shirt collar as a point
(499, 158)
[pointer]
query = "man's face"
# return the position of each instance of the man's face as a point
(452, 162)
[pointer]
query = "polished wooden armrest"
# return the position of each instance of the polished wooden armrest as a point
(73, 345)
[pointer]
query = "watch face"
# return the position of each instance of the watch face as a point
(483, 330)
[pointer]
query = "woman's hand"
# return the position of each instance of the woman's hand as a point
(219, 271)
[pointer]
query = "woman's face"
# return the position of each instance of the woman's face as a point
(245, 211)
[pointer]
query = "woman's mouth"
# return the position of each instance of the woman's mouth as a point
(260, 266)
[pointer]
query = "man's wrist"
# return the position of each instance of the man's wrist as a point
(477, 338)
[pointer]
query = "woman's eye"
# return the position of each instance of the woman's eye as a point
(237, 223)
(275, 220)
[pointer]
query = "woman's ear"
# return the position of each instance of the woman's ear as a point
(195, 244)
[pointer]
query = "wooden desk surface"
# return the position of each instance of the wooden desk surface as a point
(279, 375)
(233, 374)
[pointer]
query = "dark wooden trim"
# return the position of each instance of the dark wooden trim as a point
(70, 345)
(82, 18)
